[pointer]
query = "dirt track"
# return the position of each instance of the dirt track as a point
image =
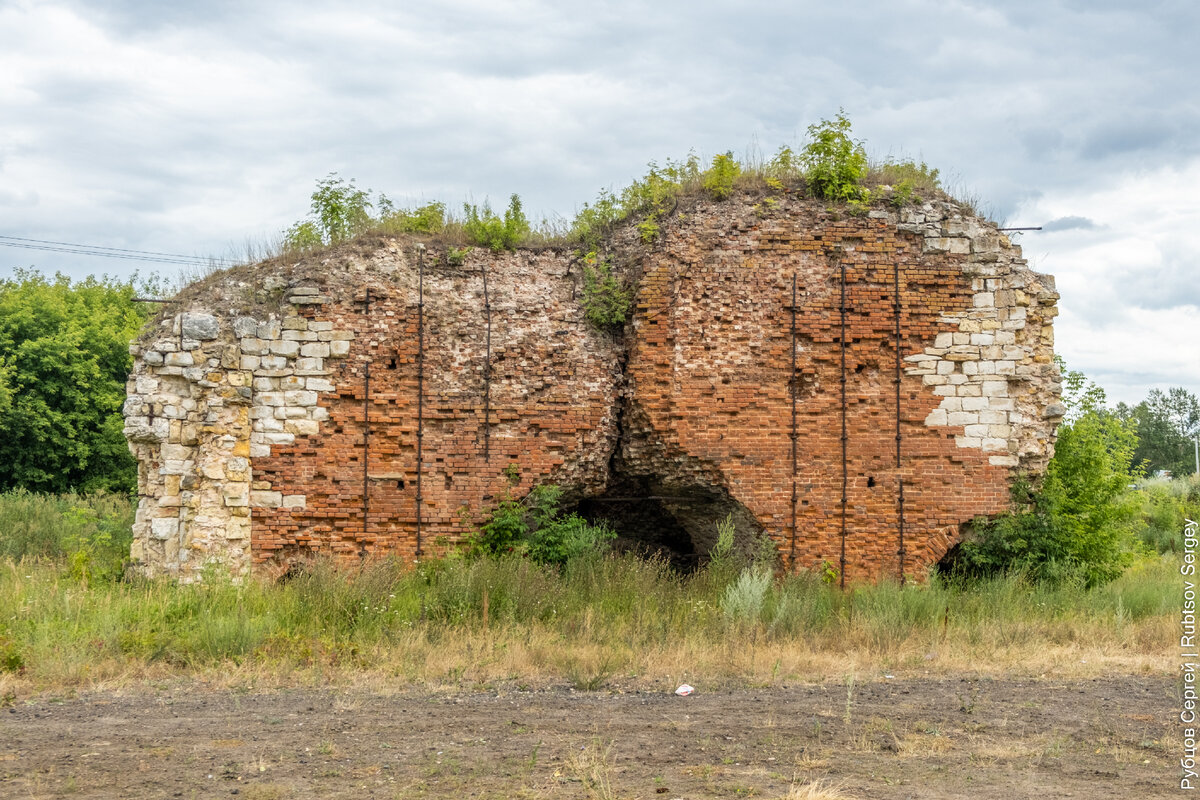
(934, 738)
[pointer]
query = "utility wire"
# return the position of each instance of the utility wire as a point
(110, 252)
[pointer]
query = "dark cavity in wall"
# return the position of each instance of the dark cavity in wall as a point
(677, 523)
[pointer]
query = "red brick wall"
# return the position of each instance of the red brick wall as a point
(551, 399)
(710, 368)
(705, 398)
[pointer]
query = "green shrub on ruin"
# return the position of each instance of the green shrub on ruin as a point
(606, 302)
(718, 180)
(338, 211)
(485, 228)
(1079, 524)
(834, 163)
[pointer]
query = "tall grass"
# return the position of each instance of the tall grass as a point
(507, 619)
(90, 533)
(1166, 503)
(602, 617)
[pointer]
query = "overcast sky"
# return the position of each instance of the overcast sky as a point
(194, 127)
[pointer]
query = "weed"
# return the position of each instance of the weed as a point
(485, 228)
(718, 180)
(592, 766)
(606, 303)
(834, 163)
(742, 602)
(589, 679)
(339, 211)
(817, 790)
(428, 219)
(534, 527)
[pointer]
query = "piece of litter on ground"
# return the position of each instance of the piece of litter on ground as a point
(684, 690)
(889, 677)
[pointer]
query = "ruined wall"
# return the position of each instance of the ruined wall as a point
(275, 410)
(712, 392)
(250, 428)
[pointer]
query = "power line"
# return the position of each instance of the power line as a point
(110, 252)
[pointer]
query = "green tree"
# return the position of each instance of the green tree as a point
(339, 211)
(1079, 522)
(483, 227)
(64, 351)
(1167, 422)
(718, 181)
(834, 163)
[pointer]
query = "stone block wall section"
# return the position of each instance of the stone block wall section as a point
(275, 409)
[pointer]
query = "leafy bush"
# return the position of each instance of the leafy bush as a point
(64, 359)
(834, 163)
(429, 218)
(535, 528)
(483, 227)
(596, 221)
(339, 210)
(718, 181)
(1079, 523)
(606, 303)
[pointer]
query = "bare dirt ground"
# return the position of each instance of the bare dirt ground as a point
(1112, 737)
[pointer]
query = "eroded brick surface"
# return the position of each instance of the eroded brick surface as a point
(256, 450)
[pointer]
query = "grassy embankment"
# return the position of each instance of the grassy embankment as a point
(67, 619)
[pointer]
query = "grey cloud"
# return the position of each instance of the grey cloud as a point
(1069, 224)
(1117, 138)
(1173, 283)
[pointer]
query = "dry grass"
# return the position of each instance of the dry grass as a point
(818, 790)
(626, 625)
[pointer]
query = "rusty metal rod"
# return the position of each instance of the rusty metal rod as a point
(899, 479)
(794, 385)
(420, 379)
(366, 494)
(845, 469)
(366, 453)
(487, 373)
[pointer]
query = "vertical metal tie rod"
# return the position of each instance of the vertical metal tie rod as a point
(420, 379)
(487, 372)
(366, 500)
(899, 478)
(794, 386)
(845, 472)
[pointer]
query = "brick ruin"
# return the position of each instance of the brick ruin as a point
(855, 388)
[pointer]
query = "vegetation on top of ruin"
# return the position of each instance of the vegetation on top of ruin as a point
(832, 166)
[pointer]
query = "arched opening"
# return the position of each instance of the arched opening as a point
(678, 523)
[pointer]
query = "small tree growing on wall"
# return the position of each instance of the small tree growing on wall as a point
(339, 211)
(834, 163)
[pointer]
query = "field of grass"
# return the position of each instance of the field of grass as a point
(66, 619)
